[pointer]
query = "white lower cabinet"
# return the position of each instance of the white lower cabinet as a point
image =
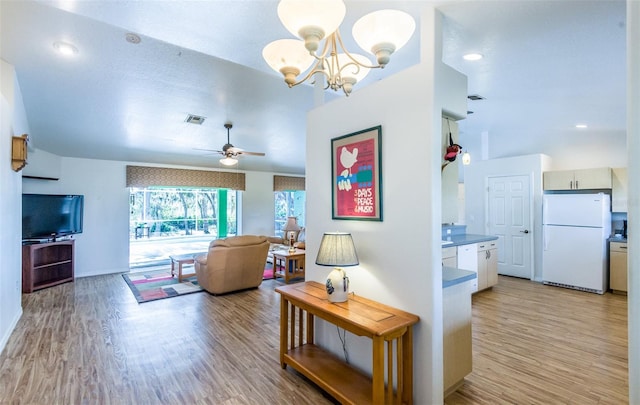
(468, 260)
(487, 265)
(457, 344)
(618, 267)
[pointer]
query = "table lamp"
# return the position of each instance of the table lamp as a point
(291, 230)
(337, 249)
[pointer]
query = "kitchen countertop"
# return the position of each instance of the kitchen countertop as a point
(452, 276)
(614, 239)
(465, 239)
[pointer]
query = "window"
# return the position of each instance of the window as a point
(289, 204)
(171, 212)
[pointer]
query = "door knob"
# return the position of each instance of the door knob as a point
(525, 231)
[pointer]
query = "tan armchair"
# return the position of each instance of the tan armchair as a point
(232, 264)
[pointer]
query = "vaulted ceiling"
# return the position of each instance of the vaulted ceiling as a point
(547, 66)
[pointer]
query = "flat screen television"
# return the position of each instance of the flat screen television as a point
(49, 216)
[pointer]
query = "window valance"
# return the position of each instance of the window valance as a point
(288, 183)
(146, 176)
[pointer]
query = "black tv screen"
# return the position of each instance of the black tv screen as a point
(50, 216)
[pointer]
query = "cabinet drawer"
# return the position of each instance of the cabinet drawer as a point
(618, 247)
(487, 245)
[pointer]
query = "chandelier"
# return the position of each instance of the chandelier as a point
(380, 33)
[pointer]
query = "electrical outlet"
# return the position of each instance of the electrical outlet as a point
(17, 285)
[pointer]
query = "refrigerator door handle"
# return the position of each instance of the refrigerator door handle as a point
(545, 238)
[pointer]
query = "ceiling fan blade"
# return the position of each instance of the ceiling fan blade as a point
(209, 150)
(251, 153)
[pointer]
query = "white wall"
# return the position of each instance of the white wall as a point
(103, 247)
(476, 175)
(633, 143)
(400, 256)
(12, 122)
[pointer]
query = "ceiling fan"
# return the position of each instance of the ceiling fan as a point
(231, 153)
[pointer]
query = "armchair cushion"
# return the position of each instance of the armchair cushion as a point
(232, 264)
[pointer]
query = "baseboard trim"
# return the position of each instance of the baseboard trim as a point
(10, 330)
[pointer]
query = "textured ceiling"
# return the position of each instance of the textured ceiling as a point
(548, 65)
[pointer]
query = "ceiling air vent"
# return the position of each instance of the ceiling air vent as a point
(194, 119)
(475, 97)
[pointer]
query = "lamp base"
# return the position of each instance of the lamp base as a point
(337, 286)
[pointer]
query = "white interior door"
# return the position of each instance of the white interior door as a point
(509, 218)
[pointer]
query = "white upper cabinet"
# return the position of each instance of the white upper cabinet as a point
(583, 179)
(619, 190)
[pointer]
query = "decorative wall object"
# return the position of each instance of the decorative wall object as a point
(356, 175)
(19, 152)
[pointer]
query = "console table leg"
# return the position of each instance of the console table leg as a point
(407, 366)
(378, 370)
(284, 324)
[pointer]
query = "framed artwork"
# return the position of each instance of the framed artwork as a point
(356, 175)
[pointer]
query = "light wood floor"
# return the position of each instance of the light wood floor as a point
(90, 342)
(536, 344)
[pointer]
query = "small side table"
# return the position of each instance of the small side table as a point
(288, 265)
(181, 260)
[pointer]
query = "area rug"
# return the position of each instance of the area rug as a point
(268, 272)
(156, 285)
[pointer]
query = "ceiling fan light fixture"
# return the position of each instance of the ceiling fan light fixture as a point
(229, 161)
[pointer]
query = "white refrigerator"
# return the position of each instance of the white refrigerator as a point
(575, 231)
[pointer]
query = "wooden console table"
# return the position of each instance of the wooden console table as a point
(362, 317)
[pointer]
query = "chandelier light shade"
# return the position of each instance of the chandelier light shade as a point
(337, 249)
(289, 57)
(381, 33)
(313, 20)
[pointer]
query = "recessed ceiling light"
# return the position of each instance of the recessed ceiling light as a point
(472, 56)
(132, 38)
(581, 126)
(65, 48)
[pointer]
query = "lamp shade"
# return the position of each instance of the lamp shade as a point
(383, 31)
(337, 249)
(297, 15)
(292, 224)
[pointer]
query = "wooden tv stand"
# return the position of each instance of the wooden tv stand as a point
(46, 264)
(362, 317)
